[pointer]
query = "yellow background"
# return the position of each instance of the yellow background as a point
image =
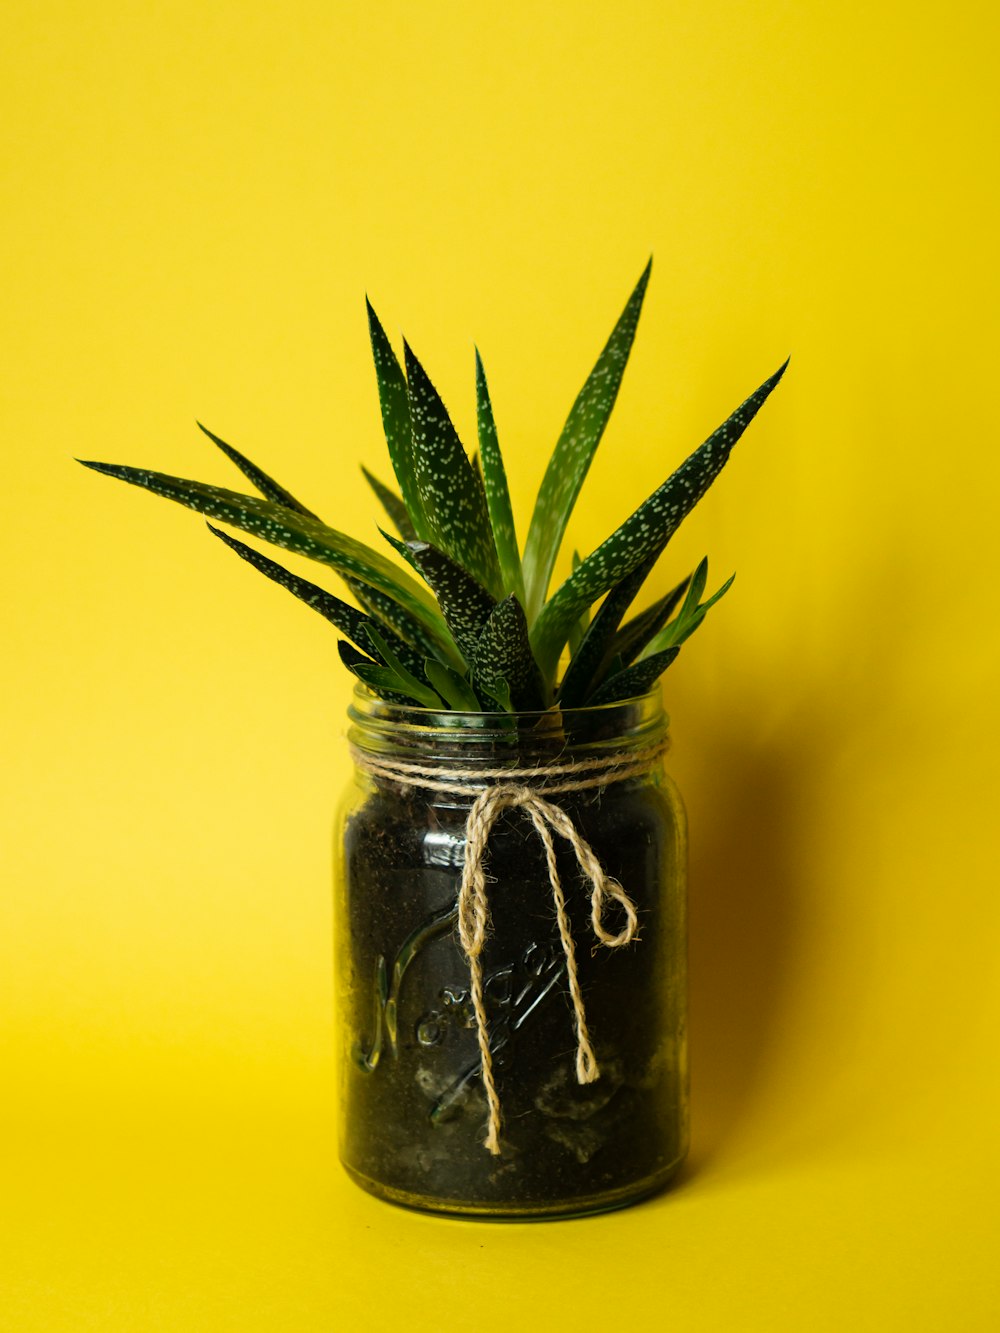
(196, 198)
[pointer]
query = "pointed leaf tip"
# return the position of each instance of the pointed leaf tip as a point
(449, 486)
(645, 531)
(574, 451)
(259, 479)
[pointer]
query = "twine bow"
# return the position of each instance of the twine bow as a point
(473, 907)
(473, 919)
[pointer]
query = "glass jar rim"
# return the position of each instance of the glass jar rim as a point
(378, 725)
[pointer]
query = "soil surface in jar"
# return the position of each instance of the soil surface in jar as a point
(415, 1114)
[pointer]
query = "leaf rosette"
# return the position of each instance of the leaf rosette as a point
(464, 619)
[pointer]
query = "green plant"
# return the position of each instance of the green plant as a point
(475, 629)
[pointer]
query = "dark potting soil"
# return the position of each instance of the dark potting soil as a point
(414, 1115)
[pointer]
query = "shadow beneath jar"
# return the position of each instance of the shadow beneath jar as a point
(745, 910)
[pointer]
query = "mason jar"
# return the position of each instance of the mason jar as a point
(418, 1020)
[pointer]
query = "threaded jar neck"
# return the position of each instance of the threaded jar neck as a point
(417, 734)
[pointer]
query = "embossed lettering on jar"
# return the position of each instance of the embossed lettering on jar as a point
(413, 1106)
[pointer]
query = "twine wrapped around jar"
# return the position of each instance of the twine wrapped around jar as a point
(527, 789)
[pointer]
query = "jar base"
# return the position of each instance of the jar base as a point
(606, 1202)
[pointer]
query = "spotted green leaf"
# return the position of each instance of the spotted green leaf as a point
(495, 485)
(450, 492)
(352, 656)
(584, 667)
(574, 451)
(464, 602)
(393, 506)
(644, 533)
(257, 477)
(348, 619)
(395, 405)
(388, 611)
(290, 530)
(634, 680)
(634, 636)
(503, 653)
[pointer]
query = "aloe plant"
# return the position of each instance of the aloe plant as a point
(466, 621)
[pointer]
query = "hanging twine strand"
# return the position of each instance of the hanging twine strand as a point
(473, 918)
(497, 790)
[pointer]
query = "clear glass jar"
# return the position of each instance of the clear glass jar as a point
(413, 1108)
